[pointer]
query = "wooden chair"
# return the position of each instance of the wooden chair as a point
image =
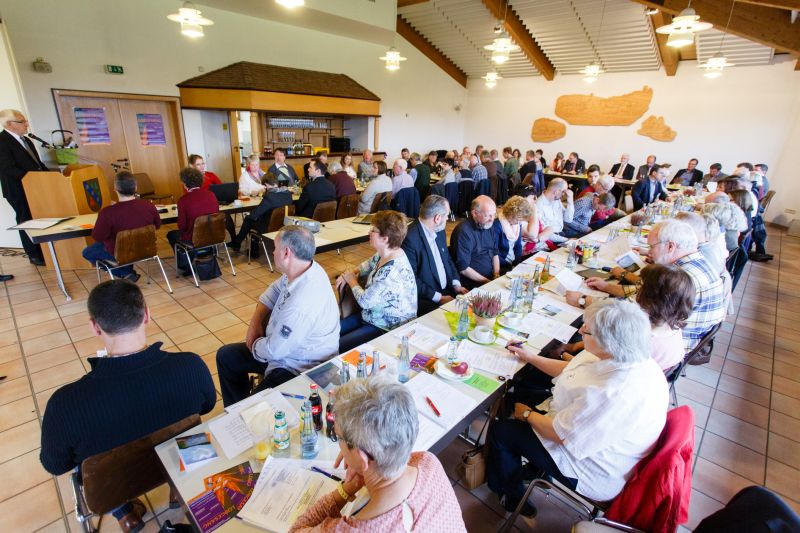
(109, 479)
(208, 232)
(275, 223)
(325, 211)
(527, 179)
(147, 191)
(348, 206)
(381, 202)
(767, 200)
(134, 246)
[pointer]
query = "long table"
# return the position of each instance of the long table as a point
(332, 235)
(190, 484)
(82, 225)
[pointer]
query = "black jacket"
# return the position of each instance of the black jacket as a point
(579, 166)
(15, 162)
(315, 192)
(627, 174)
(697, 175)
(273, 199)
(641, 193)
(421, 259)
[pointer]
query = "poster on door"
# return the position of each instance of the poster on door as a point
(92, 125)
(151, 129)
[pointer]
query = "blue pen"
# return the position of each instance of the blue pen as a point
(295, 396)
(324, 473)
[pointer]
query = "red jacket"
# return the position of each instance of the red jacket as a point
(656, 497)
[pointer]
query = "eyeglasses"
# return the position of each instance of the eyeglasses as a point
(584, 331)
(24, 121)
(352, 446)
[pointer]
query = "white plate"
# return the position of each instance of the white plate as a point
(474, 339)
(503, 321)
(444, 371)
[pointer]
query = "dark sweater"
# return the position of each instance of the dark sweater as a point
(120, 400)
(195, 203)
(130, 214)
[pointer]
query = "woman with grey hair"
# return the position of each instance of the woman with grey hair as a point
(377, 425)
(607, 409)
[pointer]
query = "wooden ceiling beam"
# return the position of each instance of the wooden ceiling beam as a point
(406, 3)
(422, 44)
(670, 57)
(522, 37)
(764, 25)
(778, 4)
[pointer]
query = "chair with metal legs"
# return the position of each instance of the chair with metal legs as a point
(208, 232)
(276, 219)
(133, 246)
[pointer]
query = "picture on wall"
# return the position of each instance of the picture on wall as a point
(151, 129)
(92, 125)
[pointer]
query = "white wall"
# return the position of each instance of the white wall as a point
(10, 97)
(417, 102)
(746, 115)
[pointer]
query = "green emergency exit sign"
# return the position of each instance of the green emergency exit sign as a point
(115, 69)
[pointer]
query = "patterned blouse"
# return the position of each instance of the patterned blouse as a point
(390, 296)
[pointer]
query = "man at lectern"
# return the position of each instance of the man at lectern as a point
(18, 156)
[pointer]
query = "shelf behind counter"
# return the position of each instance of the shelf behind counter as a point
(298, 161)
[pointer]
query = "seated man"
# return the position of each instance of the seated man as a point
(275, 197)
(714, 174)
(316, 190)
(574, 164)
(584, 211)
(673, 242)
(400, 178)
(128, 213)
(425, 246)
(622, 169)
(365, 170)
(597, 184)
(283, 171)
(342, 181)
(295, 325)
(473, 245)
(644, 170)
(650, 189)
(379, 184)
(195, 203)
(688, 176)
(551, 210)
(132, 391)
(479, 171)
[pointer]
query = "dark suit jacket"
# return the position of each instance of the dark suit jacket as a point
(627, 174)
(641, 193)
(643, 172)
(528, 168)
(15, 162)
(273, 198)
(579, 166)
(293, 179)
(697, 175)
(421, 258)
(315, 192)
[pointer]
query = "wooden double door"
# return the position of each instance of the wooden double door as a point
(146, 132)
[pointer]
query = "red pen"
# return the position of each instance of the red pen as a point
(435, 410)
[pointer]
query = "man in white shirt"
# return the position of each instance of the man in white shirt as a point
(381, 183)
(295, 325)
(551, 210)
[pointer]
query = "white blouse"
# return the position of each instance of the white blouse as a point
(248, 185)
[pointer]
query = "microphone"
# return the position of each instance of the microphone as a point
(44, 143)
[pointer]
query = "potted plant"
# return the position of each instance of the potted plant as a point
(485, 306)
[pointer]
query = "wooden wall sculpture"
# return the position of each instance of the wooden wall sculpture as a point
(546, 130)
(655, 128)
(591, 110)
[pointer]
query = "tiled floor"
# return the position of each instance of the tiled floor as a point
(746, 401)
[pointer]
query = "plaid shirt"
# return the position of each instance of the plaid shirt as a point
(583, 214)
(709, 305)
(479, 173)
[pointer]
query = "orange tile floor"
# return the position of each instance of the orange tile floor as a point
(746, 401)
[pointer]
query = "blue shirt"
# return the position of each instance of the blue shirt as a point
(479, 172)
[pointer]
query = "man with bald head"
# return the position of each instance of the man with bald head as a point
(622, 169)
(473, 245)
(365, 167)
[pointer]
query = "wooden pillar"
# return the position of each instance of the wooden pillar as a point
(375, 143)
(236, 156)
(255, 132)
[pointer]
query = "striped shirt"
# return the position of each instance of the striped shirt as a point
(479, 172)
(709, 304)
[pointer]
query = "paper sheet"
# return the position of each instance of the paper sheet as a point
(535, 324)
(421, 337)
(557, 309)
(428, 435)
(283, 492)
(491, 359)
(452, 404)
(569, 279)
(609, 251)
(39, 223)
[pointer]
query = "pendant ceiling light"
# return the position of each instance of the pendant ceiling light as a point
(291, 3)
(593, 70)
(190, 20)
(501, 46)
(491, 79)
(393, 59)
(683, 27)
(715, 64)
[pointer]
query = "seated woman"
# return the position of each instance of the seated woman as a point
(557, 164)
(250, 180)
(607, 410)
(407, 491)
(534, 234)
(384, 286)
(509, 227)
(347, 165)
(195, 203)
(275, 197)
(209, 178)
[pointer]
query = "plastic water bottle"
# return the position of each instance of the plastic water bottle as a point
(376, 363)
(308, 437)
(361, 369)
(452, 348)
(572, 259)
(280, 437)
(404, 364)
(344, 373)
(463, 320)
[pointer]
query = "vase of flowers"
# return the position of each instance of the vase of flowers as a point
(485, 306)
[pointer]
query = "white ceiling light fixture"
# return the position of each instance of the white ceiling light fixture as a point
(191, 20)
(651, 12)
(683, 27)
(715, 64)
(291, 4)
(594, 69)
(491, 79)
(393, 59)
(501, 46)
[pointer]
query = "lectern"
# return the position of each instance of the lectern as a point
(81, 190)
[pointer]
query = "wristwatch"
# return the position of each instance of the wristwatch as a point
(343, 493)
(582, 302)
(525, 414)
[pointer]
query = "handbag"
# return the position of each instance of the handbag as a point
(472, 468)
